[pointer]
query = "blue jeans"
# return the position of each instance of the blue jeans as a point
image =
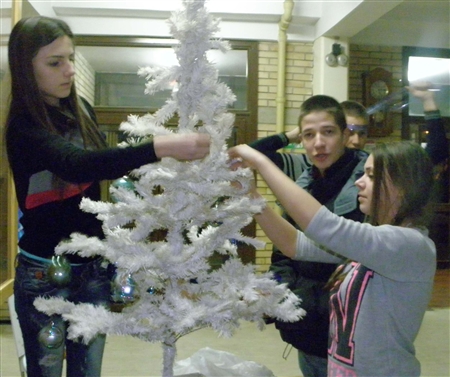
(89, 284)
(311, 365)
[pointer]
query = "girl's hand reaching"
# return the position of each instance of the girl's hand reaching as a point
(245, 156)
(182, 146)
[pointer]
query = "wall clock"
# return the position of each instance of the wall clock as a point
(379, 89)
(377, 84)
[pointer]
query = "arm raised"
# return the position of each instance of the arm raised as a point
(182, 146)
(300, 205)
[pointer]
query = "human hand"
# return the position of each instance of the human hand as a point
(251, 190)
(294, 135)
(422, 90)
(192, 146)
(244, 156)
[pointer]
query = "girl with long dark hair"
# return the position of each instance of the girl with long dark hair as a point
(58, 156)
(381, 291)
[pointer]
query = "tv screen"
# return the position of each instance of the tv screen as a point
(436, 71)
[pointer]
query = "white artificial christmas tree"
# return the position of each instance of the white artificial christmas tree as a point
(174, 290)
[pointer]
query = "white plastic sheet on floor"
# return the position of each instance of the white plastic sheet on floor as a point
(214, 363)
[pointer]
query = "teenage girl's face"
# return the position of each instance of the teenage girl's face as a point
(390, 198)
(365, 187)
(54, 69)
(323, 139)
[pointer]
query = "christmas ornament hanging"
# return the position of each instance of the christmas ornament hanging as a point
(124, 182)
(124, 289)
(51, 336)
(59, 272)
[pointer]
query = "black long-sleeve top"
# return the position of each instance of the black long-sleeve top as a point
(437, 143)
(39, 159)
(292, 164)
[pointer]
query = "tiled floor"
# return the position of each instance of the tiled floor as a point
(125, 356)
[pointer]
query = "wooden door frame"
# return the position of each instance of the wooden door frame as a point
(12, 211)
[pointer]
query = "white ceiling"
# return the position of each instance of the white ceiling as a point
(423, 23)
(361, 20)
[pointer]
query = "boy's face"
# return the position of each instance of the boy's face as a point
(358, 132)
(323, 140)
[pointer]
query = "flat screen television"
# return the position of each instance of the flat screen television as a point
(431, 65)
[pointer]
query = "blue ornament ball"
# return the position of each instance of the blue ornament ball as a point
(125, 183)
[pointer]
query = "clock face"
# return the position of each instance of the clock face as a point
(379, 89)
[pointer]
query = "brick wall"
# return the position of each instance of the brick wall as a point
(299, 78)
(299, 65)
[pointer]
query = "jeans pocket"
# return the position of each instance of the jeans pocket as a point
(33, 280)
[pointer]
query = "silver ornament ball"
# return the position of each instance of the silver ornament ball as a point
(60, 271)
(124, 288)
(51, 336)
